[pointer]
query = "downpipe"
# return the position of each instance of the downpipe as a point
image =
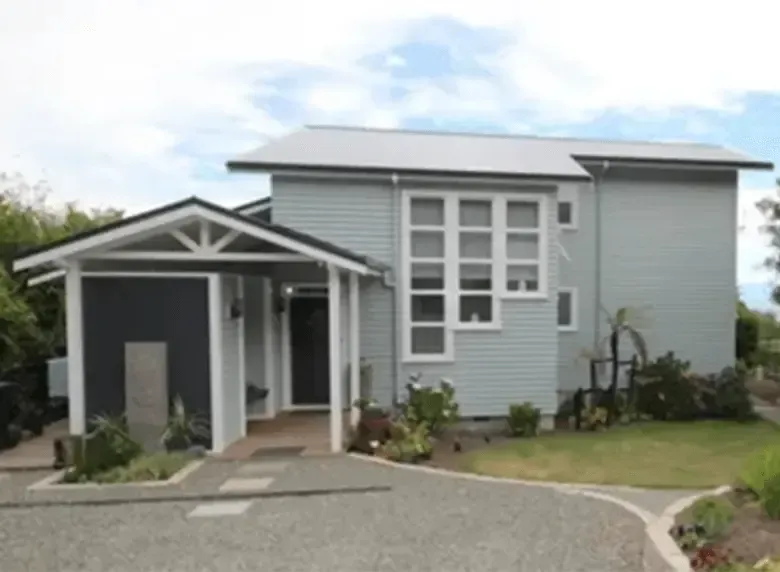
(597, 262)
(390, 281)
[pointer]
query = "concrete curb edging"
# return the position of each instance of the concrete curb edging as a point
(52, 482)
(661, 551)
(660, 554)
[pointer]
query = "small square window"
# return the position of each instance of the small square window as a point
(565, 213)
(476, 277)
(427, 276)
(522, 278)
(567, 307)
(428, 308)
(428, 340)
(427, 212)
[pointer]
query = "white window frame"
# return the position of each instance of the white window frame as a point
(569, 194)
(406, 277)
(573, 311)
(452, 262)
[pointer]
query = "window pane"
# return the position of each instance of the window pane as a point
(476, 213)
(564, 212)
(522, 214)
(428, 340)
(522, 246)
(427, 276)
(564, 309)
(427, 244)
(476, 245)
(476, 309)
(476, 276)
(522, 278)
(428, 308)
(427, 212)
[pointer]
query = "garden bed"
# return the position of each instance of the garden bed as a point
(749, 538)
(696, 454)
(158, 469)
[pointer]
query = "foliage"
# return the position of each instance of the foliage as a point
(32, 318)
(623, 323)
(747, 334)
(183, 427)
(108, 445)
(154, 467)
(713, 515)
(761, 475)
(711, 559)
(523, 419)
(769, 207)
(594, 418)
(434, 406)
(408, 442)
(669, 391)
(372, 429)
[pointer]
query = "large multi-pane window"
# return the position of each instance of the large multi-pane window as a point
(462, 253)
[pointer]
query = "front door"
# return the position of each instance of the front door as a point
(310, 352)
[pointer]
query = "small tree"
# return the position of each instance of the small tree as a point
(620, 324)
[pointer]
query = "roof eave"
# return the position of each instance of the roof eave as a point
(269, 167)
(746, 164)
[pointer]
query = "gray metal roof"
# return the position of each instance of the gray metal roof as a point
(330, 148)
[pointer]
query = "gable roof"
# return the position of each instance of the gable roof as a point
(283, 236)
(327, 148)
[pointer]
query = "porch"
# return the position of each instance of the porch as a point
(235, 340)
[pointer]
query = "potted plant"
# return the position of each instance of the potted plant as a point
(183, 428)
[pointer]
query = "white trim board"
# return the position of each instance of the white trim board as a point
(217, 386)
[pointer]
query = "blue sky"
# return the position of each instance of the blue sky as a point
(133, 106)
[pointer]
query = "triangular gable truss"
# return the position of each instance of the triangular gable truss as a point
(111, 241)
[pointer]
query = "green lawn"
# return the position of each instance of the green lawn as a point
(687, 455)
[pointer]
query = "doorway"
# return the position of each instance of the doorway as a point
(309, 352)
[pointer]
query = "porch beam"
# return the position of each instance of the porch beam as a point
(74, 316)
(224, 241)
(354, 347)
(46, 277)
(334, 343)
(185, 240)
(202, 256)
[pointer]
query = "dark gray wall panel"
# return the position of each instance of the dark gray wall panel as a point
(170, 310)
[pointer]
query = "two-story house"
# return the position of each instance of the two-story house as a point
(486, 259)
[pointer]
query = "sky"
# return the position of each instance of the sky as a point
(133, 104)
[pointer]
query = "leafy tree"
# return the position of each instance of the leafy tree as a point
(32, 318)
(769, 207)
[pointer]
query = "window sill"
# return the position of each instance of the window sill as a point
(568, 329)
(479, 327)
(536, 296)
(428, 359)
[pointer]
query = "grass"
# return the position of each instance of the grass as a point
(699, 454)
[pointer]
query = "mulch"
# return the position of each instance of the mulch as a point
(449, 451)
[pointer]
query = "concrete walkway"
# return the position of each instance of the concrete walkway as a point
(425, 522)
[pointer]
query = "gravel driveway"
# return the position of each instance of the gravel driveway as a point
(426, 523)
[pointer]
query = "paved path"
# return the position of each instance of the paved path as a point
(425, 523)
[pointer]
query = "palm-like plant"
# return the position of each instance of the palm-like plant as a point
(183, 426)
(620, 324)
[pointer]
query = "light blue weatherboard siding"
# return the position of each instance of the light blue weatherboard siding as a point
(668, 249)
(491, 369)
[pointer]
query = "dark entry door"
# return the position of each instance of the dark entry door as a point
(310, 352)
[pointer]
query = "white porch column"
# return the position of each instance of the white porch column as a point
(74, 316)
(334, 342)
(354, 346)
(215, 362)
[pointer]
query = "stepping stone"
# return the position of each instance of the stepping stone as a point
(262, 468)
(245, 485)
(234, 508)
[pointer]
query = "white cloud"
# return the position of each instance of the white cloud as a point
(113, 98)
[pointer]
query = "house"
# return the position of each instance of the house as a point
(482, 258)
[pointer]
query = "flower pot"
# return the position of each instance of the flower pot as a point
(177, 444)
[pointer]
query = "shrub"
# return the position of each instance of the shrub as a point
(713, 515)
(760, 468)
(434, 406)
(523, 419)
(155, 467)
(594, 418)
(770, 498)
(408, 442)
(183, 427)
(669, 391)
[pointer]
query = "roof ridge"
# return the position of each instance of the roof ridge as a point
(515, 136)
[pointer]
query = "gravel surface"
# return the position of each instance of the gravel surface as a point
(426, 523)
